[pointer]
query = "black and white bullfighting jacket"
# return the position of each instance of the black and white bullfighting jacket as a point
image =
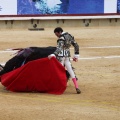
(63, 45)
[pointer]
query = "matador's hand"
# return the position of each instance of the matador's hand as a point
(75, 58)
(51, 55)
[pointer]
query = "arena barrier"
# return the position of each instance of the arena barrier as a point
(40, 22)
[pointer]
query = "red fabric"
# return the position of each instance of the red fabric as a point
(41, 75)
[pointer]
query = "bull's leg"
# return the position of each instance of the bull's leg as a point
(12, 64)
(8, 66)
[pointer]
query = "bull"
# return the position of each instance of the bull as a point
(25, 55)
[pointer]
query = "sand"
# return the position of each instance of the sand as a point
(98, 71)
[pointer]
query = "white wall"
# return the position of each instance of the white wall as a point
(8, 7)
(110, 6)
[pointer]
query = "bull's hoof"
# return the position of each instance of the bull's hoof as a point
(78, 91)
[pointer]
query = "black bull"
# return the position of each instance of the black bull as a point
(26, 55)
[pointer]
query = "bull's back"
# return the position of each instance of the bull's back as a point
(40, 52)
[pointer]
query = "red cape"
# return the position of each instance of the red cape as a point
(42, 75)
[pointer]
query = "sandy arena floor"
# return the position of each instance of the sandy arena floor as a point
(98, 71)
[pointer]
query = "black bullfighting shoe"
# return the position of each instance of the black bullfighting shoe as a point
(78, 91)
